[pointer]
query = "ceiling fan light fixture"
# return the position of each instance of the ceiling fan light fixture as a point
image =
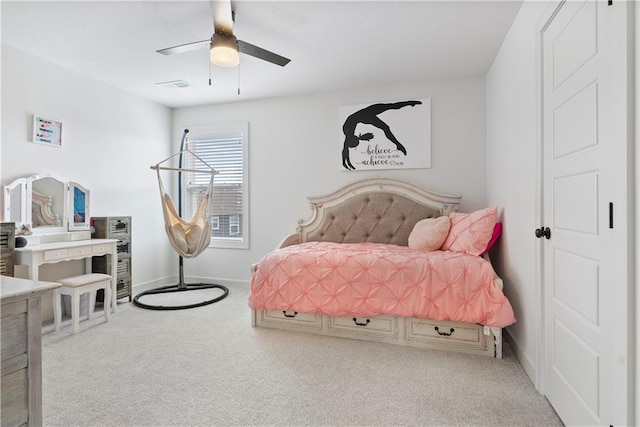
(224, 50)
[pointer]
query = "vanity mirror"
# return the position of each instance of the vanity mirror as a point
(48, 208)
(48, 204)
(14, 202)
(78, 207)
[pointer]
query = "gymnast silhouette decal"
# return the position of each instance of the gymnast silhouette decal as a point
(369, 116)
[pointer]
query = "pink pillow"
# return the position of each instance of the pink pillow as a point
(429, 234)
(497, 231)
(470, 232)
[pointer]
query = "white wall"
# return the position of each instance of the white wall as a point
(294, 153)
(511, 176)
(110, 138)
(636, 271)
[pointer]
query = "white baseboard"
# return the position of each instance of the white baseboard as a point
(522, 358)
(152, 284)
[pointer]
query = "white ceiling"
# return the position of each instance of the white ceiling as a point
(333, 46)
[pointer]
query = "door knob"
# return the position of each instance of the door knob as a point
(543, 231)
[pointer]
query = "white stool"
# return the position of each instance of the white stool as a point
(76, 286)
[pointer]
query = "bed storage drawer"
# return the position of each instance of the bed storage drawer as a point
(450, 333)
(282, 318)
(380, 326)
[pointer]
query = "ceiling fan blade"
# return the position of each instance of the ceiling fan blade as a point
(184, 47)
(260, 53)
(222, 17)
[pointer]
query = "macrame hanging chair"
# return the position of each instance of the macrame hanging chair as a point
(188, 238)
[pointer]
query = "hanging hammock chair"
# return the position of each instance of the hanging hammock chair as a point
(188, 238)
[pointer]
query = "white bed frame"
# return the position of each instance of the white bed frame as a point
(339, 217)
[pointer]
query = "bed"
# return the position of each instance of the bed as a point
(353, 270)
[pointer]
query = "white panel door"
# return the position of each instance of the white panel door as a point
(584, 293)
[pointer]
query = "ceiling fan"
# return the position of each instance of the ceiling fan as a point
(224, 47)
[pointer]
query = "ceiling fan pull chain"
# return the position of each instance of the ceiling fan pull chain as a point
(238, 79)
(209, 72)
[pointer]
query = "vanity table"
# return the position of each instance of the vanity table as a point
(54, 215)
(33, 256)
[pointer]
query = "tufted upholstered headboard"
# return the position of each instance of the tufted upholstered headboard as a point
(379, 210)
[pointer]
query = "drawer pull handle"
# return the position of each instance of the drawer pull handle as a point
(444, 334)
(355, 320)
(290, 316)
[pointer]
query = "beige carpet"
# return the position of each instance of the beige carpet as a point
(207, 366)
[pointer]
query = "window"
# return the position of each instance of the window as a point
(224, 148)
(215, 222)
(234, 225)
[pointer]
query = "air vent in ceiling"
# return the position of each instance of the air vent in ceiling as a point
(179, 84)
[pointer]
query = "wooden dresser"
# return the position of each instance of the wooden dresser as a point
(7, 246)
(21, 354)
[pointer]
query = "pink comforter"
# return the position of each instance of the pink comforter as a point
(371, 279)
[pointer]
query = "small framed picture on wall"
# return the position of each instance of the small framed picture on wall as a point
(47, 131)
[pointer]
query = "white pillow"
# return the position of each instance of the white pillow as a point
(429, 234)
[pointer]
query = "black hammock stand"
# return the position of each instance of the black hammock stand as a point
(181, 286)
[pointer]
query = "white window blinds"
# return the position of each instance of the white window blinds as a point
(226, 152)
